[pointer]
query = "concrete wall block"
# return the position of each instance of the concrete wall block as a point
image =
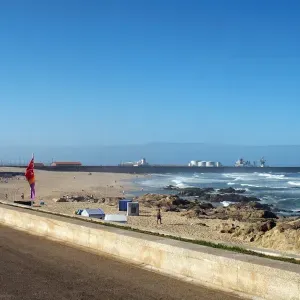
(253, 276)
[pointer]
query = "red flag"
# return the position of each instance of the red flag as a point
(29, 174)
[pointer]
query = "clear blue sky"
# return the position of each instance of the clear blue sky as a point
(123, 72)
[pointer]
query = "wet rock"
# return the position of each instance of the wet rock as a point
(229, 198)
(257, 205)
(205, 205)
(171, 188)
(194, 192)
(231, 190)
(178, 201)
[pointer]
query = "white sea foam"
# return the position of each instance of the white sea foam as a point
(238, 179)
(178, 183)
(294, 183)
(272, 176)
(226, 203)
(231, 183)
(251, 185)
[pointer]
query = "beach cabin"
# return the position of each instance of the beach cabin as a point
(133, 209)
(97, 213)
(123, 204)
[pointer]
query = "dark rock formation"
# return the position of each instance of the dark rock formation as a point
(192, 192)
(227, 198)
(160, 200)
(244, 212)
(231, 190)
(171, 188)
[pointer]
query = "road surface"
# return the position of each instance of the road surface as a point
(35, 268)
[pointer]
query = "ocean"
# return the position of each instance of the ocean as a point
(281, 190)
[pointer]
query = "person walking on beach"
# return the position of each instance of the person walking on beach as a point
(158, 216)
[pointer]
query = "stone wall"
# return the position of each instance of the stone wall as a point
(256, 277)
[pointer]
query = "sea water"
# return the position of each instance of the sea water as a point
(281, 190)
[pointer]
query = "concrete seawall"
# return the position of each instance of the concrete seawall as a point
(256, 277)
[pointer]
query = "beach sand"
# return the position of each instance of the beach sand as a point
(50, 185)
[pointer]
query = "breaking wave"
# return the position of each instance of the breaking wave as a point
(294, 183)
(251, 185)
(178, 183)
(272, 176)
(226, 203)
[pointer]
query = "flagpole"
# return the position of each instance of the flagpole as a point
(30, 187)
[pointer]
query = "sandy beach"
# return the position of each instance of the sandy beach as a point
(53, 185)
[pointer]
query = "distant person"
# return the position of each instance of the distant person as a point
(158, 216)
(22, 196)
(74, 177)
(6, 196)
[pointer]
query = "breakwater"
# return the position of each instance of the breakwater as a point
(169, 169)
(158, 169)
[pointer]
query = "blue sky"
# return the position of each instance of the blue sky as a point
(129, 72)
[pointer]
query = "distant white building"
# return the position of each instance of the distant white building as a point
(207, 164)
(141, 162)
(193, 163)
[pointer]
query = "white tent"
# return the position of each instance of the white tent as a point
(93, 213)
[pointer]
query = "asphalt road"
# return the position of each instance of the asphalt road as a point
(35, 268)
